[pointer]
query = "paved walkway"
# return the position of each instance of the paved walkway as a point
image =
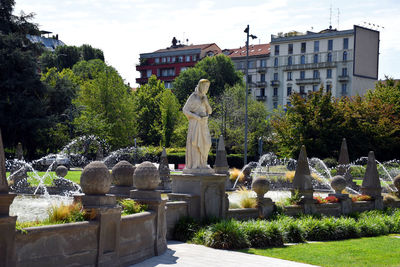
(189, 255)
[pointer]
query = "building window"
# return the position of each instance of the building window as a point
(315, 87)
(262, 77)
(168, 85)
(251, 65)
(263, 63)
(187, 59)
(344, 88)
(345, 56)
(275, 91)
(180, 59)
(167, 72)
(290, 49)
(164, 59)
(173, 59)
(316, 46)
(157, 60)
(289, 60)
(184, 68)
(302, 59)
(330, 45)
(315, 74)
(276, 50)
(303, 47)
(344, 72)
(149, 72)
(329, 58)
(289, 90)
(302, 91)
(194, 57)
(275, 76)
(289, 76)
(315, 58)
(302, 75)
(345, 43)
(262, 91)
(329, 73)
(276, 62)
(249, 78)
(328, 87)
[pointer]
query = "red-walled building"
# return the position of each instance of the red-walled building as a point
(167, 63)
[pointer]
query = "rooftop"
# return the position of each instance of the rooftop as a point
(254, 50)
(294, 35)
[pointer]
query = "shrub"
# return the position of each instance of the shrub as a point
(129, 206)
(292, 231)
(226, 235)
(66, 213)
(330, 162)
(234, 174)
(262, 233)
(185, 229)
(361, 198)
(246, 198)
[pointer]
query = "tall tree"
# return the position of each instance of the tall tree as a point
(219, 70)
(170, 108)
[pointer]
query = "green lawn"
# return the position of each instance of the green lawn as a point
(74, 176)
(359, 182)
(371, 251)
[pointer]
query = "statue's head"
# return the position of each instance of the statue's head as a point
(202, 86)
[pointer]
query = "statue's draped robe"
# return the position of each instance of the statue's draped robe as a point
(198, 142)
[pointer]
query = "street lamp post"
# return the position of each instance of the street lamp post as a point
(247, 30)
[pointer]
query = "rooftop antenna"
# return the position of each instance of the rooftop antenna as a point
(338, 16)
(330, 16)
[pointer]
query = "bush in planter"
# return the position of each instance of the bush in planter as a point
(291, 230)
(226, 235)
(262, 234)
(129, 206)
(185, 229)
(361, 198)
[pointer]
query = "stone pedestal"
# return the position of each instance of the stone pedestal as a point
(345, 203)
(7, 231)
(208, 189)
(308, 205)
(154, 202)
(265, 207)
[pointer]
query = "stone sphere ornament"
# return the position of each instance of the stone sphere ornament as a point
(146, 176)
(260, 186)
(61, 171)
(396, 182)
(96, 179)
(122, 173)
(338, 184)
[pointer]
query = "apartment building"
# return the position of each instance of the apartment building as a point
(167, 63)
(257, 67)
(343, 62)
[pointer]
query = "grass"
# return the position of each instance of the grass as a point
(371, 251)
(73, 176)
(383, 184)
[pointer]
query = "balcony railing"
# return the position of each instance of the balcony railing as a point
(308, 81)
(261, 84)
(343, 78)
(262, 69)
(310, 66)
(261, 97)
(275, 83)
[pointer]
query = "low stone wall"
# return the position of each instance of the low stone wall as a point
(77, 244)
(243, 214)
(175, 211)
(330, 209)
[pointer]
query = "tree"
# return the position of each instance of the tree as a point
(23, 116)
(147, 100)
(170, 109)
(219, 70)
(228, 119)
(106, 109)
(88, 52)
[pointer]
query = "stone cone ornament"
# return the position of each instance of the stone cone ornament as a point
(221, 162)
(3, 177)
(302, 177)
(344, 160)
(371, 184)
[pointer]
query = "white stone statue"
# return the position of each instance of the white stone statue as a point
(198, 143)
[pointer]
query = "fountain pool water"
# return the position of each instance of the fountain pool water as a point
(32, 208)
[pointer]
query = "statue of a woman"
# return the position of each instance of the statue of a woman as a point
(198, 143)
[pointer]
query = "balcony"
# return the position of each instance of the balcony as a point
(308, 81)
(261, 97)
(141, 80)
(262, 69)
(275, 98)
(343, 78)
(275, 83)
(307, 66)
(261, 84)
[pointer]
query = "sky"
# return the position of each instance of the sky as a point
(125, 28)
